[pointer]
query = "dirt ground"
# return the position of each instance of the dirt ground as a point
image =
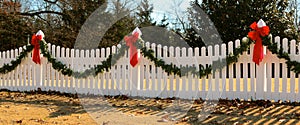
(53, 108)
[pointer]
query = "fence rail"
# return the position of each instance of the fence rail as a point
(245, 80)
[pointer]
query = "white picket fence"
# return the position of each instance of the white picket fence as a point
(270, 80)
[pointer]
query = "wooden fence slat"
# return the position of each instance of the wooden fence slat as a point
(277, 93)
(16, 73)
(269, 81)
(251, 91)
(277, 87)
(284, 82)
(216, 83)
(177, 78)
(190, 82)
(292, 92)
(159, 72)
(20, 73)
(230, 93)
(171, 76)
(108, 75)
(203, 79)
(223, 72)
(153, 76)
(237, 93)
(165, 92)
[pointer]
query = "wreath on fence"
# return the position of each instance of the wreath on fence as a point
(259, 35)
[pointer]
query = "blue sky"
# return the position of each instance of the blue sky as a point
(161, 7)
(168, 5)
(171, 8)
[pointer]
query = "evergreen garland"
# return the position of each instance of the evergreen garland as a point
(232, 57)
(185, 70)
(100, 68)
(173, 69)
(6, 68)
(292, 65)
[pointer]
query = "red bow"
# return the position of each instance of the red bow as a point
(36, 51)
(256, 35)
(130, 40)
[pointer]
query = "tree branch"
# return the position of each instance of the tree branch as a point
(44, 20)
(52, 2)
(41, 12)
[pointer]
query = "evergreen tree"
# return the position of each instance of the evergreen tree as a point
(144, 14)
(232, 18)
(154, 32)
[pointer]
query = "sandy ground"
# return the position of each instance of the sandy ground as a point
(50, 108)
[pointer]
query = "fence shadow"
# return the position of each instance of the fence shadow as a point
(65, 104)
(250, 112)
(225, 112)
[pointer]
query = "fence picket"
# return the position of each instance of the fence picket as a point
(47, 70)
(178, 79)
(26, 78)
(153, 76)
(277, 92)
(159, 72)
(114, 70)
(8, 82)
(20, 73)
(292, 74)
(31, 74)
(107, 75)
(165, 91)
(172, 79)
(223, 72)
(210, 76)
(62, 77)
(97, 81)
(16, 72)
(284, 82)
(251, 91)
(7, 59)
(58, 75)
(268, 93)
(72, 80)
(203, 79)
(216, 88)
(66, 78)
(237, 93)
(102, 75)
(86, 66)
(231, 89)
(196, 78)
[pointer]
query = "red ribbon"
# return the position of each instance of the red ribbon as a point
(256, 35)
(130, 41)
(36, 51)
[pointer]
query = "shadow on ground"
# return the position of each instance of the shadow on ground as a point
(181, 111)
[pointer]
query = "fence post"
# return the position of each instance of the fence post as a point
(134, 77)
(261, 78)
(38, 74)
